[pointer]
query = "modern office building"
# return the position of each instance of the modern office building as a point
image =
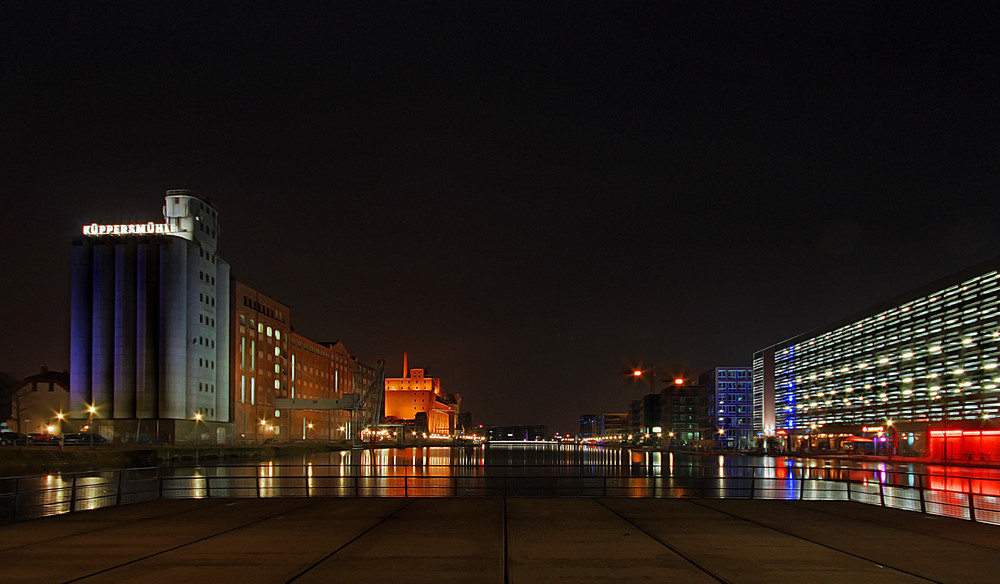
(612, 426)
(634, 418)
(726, 406)
(921, 368)
(608, 426)
(679, 416)
(149, 326)
(650, 418)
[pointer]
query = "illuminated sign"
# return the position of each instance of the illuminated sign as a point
(130, 229)
(872, 429)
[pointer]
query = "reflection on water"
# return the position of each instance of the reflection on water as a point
(522, 470)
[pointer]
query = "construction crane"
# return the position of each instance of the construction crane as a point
(367, 413)
(365, 405)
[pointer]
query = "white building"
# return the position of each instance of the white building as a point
(150, 327)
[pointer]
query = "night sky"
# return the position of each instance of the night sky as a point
(529, 198)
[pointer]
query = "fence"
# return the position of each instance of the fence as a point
(28, 497)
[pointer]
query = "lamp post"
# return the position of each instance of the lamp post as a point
(194, 435)
(91, 410)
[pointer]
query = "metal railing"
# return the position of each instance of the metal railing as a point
(963, 497)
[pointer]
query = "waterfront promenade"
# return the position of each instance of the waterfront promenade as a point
(515, 540)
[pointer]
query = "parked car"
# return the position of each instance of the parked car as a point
(40, 439)
(83, 439)
(13, 439)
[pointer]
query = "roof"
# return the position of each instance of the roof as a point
(935, 286)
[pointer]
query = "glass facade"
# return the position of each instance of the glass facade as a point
(726, 394)
(931, 357)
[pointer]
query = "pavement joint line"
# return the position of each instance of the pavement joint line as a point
(673, 549)
(815, 542)
(923, 515)
(408, 502)
(114, 526)
(504, 568)
(179, 546)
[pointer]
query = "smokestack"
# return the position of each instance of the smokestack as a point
(406, 370)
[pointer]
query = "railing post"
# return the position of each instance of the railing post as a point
(972, 503)
(881, 491)
(753, 475)
(118, 489)
(802, 483)
(17, 495)
(72, 496)
(920, 489)
(256, 474)
(160, 477)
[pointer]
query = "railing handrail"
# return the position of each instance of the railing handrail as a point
(90, 489)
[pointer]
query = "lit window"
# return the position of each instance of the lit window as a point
(269, 331)
(277, 334)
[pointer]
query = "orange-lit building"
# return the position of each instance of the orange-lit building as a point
(415, 397)
(260, 364)
(320, 371)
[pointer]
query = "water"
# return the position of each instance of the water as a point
(532, 470)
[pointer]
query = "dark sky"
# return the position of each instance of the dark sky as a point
(529, 198)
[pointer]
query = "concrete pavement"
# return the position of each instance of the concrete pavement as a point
(311, 540)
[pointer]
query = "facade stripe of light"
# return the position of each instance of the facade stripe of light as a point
(930, 356)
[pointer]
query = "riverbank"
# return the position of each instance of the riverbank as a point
(30, 460)
(895, 459)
